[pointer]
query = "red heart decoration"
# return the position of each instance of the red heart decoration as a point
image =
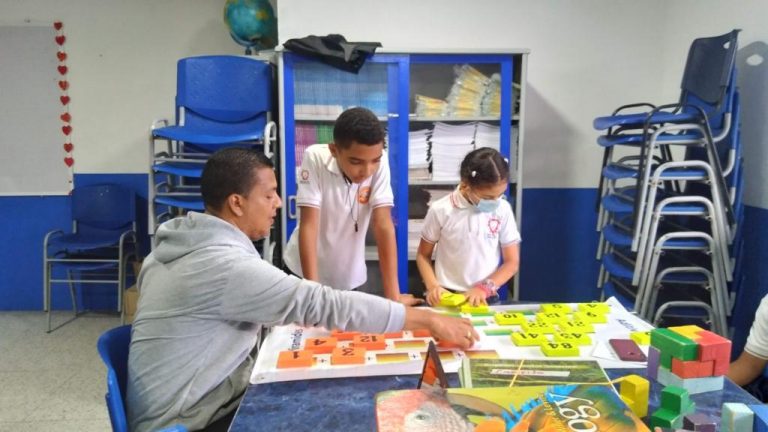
(65, 117)
(69, 161)
(63, 85)
(66, 129)
(64, 100)
(62, 70)
(58, 25)
(61, 55)
(60, 39)
(68, 147)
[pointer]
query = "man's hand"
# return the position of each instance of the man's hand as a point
(458, 331)
(475, 296)
(409, 300)
(434, 294)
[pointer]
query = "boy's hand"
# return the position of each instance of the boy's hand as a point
(458, 331)
(434, 294)
(475, 296)
(409, 300)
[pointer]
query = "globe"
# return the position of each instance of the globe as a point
(251, 23)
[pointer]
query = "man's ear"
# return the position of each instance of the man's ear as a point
(235, 204)
(334, 150)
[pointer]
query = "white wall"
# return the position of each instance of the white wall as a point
(587, 57)
(122, 68)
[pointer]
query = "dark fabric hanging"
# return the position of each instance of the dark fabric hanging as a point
(334, 50)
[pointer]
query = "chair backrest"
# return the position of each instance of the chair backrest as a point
(113, 348)
(223, 90)
(708, 71)
(104, 207)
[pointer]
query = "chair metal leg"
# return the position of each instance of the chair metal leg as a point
(72, 291)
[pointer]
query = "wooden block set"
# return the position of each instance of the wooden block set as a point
(675, 405)
(689, 357)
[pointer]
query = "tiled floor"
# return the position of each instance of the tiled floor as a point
(52, 382)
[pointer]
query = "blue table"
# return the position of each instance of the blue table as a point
(346, 404)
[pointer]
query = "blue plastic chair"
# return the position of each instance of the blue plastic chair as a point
(98, 249)
(113, 346)
(220, 101)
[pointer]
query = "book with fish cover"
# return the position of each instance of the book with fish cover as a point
(506, 372)
(561, 408)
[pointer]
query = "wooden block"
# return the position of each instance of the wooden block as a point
(479, 309)
(716, 348)
(685, 369)
(393, 335)
(573, 338)
(627, 350)
(562, 308)
(320, 345)
(549, 317)
(576, 327)
(594, 307)
(421, 333)
(559, 349)
(446, 345)
(689, 331)
(295, 359)
(348, 355)
(537, 327)
(371, 342)
(653, 362)
(641, 337)
(341, 335)
(636, 389)
(450, 299)
(674, 344)
(528, 339)
(692, 385)
(699, 422)
(590, 317)
(736, 417)
(665, 418)
(509, 318)
(677, 400)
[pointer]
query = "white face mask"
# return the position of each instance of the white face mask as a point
(486, 205)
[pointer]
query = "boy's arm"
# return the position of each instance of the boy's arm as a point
(746, 368)
(310, 221)
(384, 233)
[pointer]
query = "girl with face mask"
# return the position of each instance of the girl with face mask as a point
(472, 233)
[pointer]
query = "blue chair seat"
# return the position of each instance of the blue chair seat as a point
(82, 241)
(637, 139)
(182, 169)
(185, 202)
(620, 205)
(617, 172)
(208, 136)
(639, 119)
(626, 299)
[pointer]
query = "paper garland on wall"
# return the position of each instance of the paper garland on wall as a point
(66, 117)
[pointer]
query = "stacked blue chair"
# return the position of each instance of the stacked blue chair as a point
(98, 250)
(668, 224)
(221, 101)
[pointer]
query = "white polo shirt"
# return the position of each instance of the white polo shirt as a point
(468, 242)
(757, 342)
(340, 250)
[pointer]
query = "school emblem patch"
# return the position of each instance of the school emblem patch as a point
(494, 223)
(364, 195)
(304, 176)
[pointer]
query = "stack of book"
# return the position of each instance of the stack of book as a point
(418, 154)
(450, 143)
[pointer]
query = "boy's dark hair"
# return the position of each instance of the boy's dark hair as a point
(484, 167)
(359, 125)
(230, 171)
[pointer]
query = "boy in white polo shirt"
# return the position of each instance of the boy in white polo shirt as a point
(747, 370)
(344, 186)
(472, 228)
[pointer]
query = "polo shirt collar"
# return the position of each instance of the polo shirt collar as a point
(333, 165)
(458, 200)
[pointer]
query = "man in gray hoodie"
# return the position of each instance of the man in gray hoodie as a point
(205, 293)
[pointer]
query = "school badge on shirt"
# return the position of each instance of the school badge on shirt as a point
(494, 224)
(304, 176)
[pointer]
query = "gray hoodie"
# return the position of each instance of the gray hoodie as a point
(204, 294)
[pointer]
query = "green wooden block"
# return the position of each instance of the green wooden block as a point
(528, 339)
(677, 400)
(675, 344)
(509, 318)
(573, 338)
(498, 332)
(556, 307)
(538, 327)
(665, 359)
(667, 419)
(560, 349)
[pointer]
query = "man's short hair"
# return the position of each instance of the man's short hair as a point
(230, 171)
(358, 125)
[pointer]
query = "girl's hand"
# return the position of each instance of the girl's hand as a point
(409, 300)
(434, 293)
(475, 296)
